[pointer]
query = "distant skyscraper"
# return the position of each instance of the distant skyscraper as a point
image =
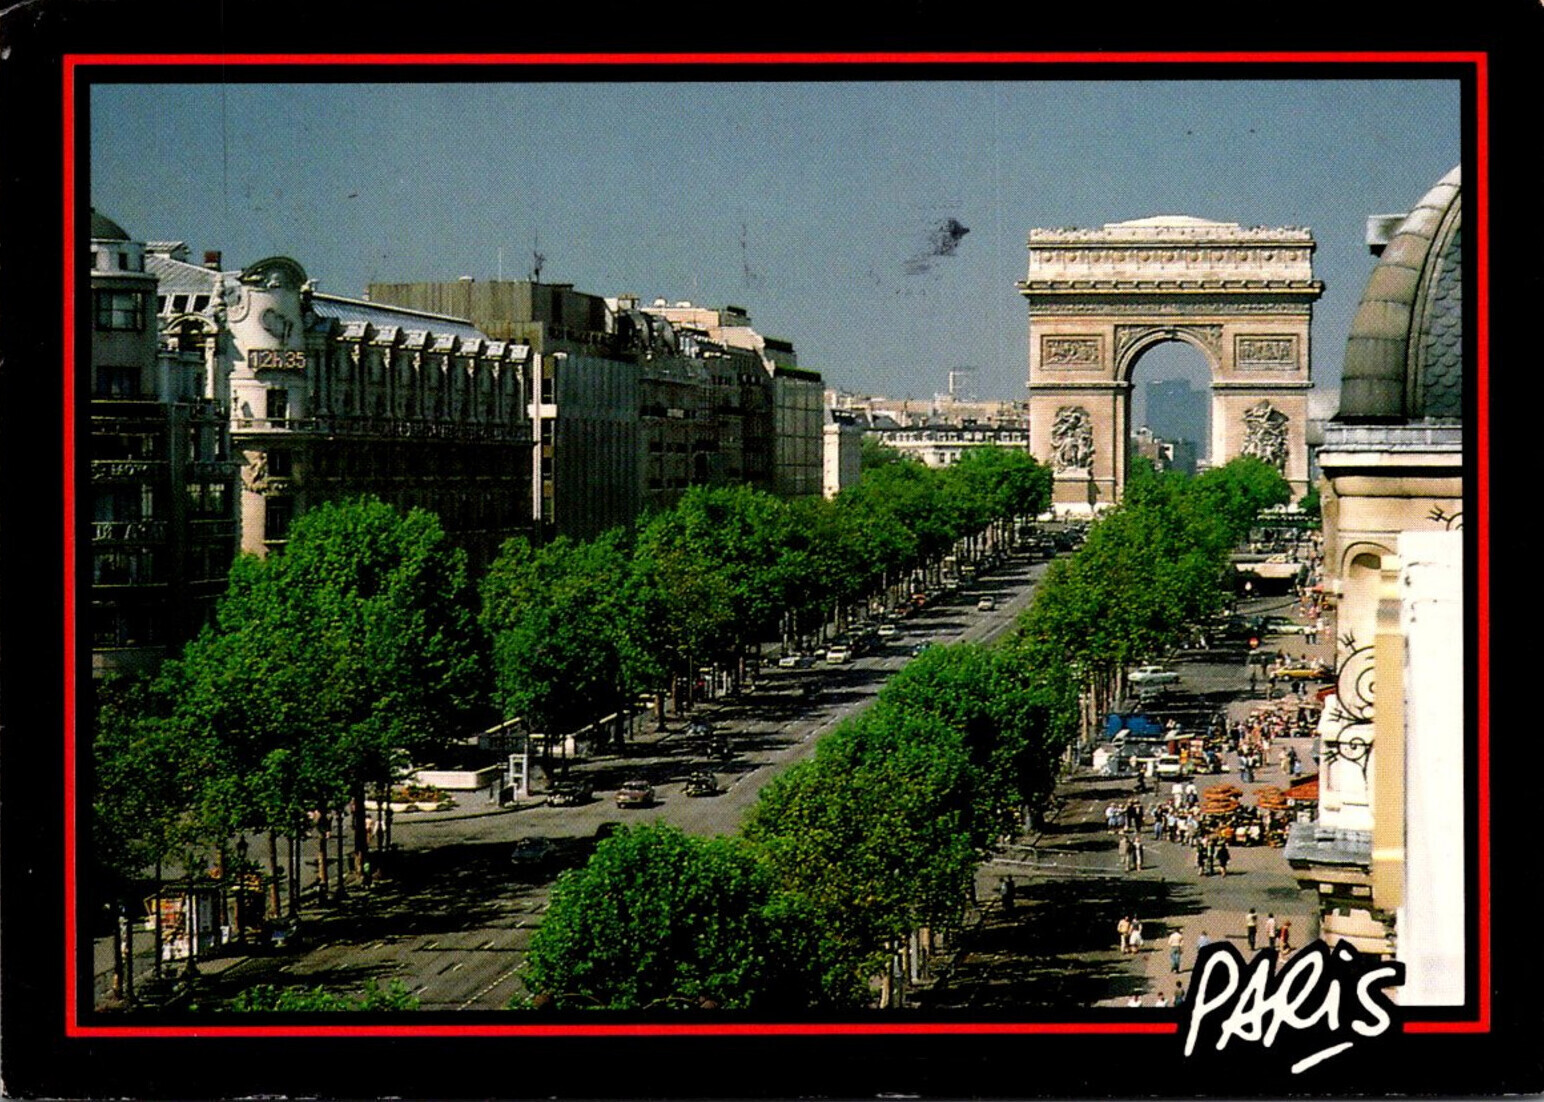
(1177, 411)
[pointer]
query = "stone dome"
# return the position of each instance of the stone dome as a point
(104, 228)
(1404, 357)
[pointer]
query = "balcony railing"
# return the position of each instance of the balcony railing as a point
(378, 427)
(126, 470)
(128, 531)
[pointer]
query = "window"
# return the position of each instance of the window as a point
(120, 310)
(280, 463)
(277, 516)
(207, 499)
(116, 381)
(278, 405)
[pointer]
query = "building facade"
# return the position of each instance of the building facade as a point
(162, 492)
(333, 398)
(1387, 853)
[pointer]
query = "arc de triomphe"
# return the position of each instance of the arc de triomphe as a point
(1098, 299)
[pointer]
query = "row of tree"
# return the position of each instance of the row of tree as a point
(845, 856)
(580, 629)
(365, 646)
(1152, 567)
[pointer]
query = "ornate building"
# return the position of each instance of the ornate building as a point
(162, 491)
(1387, 854)
(1098, 299)
(333, 397)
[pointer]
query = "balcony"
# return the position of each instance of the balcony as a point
(128, 531)
(127, 470)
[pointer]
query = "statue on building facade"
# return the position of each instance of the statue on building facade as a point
(1072, 438)
(1265, 434)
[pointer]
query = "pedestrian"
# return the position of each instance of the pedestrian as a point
(1005, 892)
(1270, 929)
(1135, 936)
(1136, 848)
(1252, 679)
(1202, 942)
(1135, 1000)
(1161, 1002)
(1123, 928)
(1222, 857)
(1179, 992)
(1251, 926)
(1125, 851)
(1176, 949)
(1286, 938)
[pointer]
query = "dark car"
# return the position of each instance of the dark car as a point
(702, 783)
(568, 793)
(533, 853)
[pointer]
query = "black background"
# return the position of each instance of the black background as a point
(38, 1061)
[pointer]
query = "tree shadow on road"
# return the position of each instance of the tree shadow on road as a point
(1056, 947)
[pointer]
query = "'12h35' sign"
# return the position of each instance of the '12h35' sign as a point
(276, 359)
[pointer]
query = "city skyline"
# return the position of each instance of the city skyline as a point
(879, 226)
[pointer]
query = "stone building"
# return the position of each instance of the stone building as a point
(1387, 854)
(162, 484)
(333, 398)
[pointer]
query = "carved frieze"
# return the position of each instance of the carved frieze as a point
(1265, 434)
(1182, 308)
(1072, 439)
(1254, 352)
(1070, 351)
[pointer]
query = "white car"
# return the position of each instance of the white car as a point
(986, 604)
(1154, 675)
(839, 654)
(888, 631)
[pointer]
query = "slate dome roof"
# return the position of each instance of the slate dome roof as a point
(1404, 357)
(104, 228)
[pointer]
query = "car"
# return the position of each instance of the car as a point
(986, 604)
(888, 631)
(699, 728)
(1304, 671)
(1153, 675)
(702, 783)
(1169, 765)
(635, 793)
(790, 661)
(1283, 625)
(838, 654)
(567, 793)
(918, 648)
(532, 853)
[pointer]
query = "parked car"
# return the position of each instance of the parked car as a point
(839, 654)
(699, 728)
(918, 648)
(567, 793)
(702, 783)
(1154, 675)
(1169, 765)
(888, 631)
(790, 661)
(1304, 671)
(986, 604)
(635, 793)
(532, 853)
(1283, 625)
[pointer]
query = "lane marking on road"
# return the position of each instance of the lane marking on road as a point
(502, 976)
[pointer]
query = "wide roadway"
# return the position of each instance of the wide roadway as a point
(454, 916)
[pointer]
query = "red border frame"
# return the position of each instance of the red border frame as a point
(1481, 516)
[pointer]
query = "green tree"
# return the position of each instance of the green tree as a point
(873, 452)
(564, 620)
(268, 998)
(873, 833)
(659, 918)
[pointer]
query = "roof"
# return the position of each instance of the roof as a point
(1404, 356)
(104, 228)
(1316, 844)
(374, 313)
(177, 276)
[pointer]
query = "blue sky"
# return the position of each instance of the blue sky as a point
(810, 204)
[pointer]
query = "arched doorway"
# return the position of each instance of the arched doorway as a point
(1170, 404)
(1099, 299)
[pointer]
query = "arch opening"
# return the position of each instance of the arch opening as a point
(1169, 405)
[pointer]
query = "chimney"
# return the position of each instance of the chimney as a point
(212, 259)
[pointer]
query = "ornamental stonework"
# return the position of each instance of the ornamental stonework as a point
(1265, 434)
(1070, 352)
(1188, 308)
(1265, 351)
(1208, 337)
(1072, 439)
